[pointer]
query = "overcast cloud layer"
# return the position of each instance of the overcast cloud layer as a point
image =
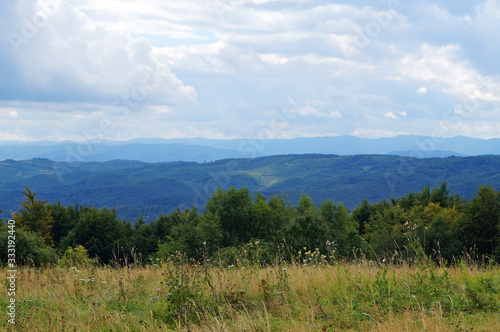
(269, 69)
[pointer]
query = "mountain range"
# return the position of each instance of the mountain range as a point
(202, 150)
(138, 188)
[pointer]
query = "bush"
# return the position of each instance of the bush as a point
(75, 257)
(30, 249)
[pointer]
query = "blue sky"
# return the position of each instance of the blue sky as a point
(74, 70)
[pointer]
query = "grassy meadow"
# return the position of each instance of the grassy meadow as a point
(313, 295)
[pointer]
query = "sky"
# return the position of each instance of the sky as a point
(124, 69)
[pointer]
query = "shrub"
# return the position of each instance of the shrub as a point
(30, 249)
(75, 257)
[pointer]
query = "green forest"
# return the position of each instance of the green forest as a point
(150, 189)
(431, 223)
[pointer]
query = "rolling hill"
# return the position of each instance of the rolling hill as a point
(137, 188)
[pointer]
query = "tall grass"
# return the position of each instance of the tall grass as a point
(310, 294)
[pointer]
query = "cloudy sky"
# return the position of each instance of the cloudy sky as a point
(124, 69)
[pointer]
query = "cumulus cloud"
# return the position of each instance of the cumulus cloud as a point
(63, 55)
(445, 69)
(222, 68)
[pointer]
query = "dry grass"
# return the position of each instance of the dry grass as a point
(340, 297)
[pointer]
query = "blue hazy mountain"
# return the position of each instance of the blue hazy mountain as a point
(200, 149)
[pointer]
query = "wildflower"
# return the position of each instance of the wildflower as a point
(257, 242)
(157, 289)
(284, 269)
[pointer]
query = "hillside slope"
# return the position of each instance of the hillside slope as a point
(136, 188)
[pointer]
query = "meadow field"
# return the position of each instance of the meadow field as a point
(310, 294)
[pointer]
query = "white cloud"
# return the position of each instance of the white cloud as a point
(225, 66)
(445, 69)
(72, 57)
(313, 112)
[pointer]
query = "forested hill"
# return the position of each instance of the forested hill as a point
(150, 189)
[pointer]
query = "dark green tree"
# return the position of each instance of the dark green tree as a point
(263, 226)
(281, 212)
(234, 210)
(101, 233)
(65, 219)
(35, 216)
(362, 214)
(385, 229)
(306, 229)
(482, 225)
(143, 238)
(442, 239)
(342, 228)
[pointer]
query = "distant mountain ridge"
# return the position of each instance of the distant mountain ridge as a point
(201, 149)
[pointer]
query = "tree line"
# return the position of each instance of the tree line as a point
(431, 222)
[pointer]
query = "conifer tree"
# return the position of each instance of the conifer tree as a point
(35, 216)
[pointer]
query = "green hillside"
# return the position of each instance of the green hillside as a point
(149, 189)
